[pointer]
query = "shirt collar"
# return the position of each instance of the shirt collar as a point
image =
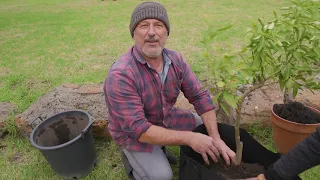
(141, 59)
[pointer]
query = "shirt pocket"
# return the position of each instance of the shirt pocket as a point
(172, 90)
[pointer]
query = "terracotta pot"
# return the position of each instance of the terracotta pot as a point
(287, 134)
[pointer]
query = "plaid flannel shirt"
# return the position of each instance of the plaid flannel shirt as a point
(136, 98)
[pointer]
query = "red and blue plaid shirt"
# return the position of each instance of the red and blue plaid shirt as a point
(136, 98)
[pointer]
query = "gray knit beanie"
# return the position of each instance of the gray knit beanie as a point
(149, 10)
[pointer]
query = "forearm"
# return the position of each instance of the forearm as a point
(302, 157)
(161, 136)
(210, 121)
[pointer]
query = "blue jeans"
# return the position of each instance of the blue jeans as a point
(154, 165)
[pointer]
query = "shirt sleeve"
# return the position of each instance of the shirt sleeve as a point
(124, 103)
(193, 90)
(303, 156)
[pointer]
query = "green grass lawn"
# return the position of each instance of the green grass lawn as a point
(44, 44)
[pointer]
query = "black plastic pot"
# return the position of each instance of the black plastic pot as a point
(66, 141)
(193, 167)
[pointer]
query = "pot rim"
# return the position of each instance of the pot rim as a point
(295, 123)
(64, 144)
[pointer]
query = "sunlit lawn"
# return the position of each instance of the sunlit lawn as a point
(44, 44)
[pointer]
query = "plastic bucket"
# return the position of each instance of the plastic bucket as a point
(66, 141)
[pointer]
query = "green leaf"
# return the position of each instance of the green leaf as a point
(271, 26)
(313, 38)
(233, 84)
(275, 14)
(285, 73)
(225, 108)
(300, 33)
(272, 45)
(245, 74)
(296, 55)
(289, 84)
(296, 87)
(311, 84)
(261, 44)
(293, 46)
(216, 97)
(256, 38)
(225, 28)
(221, 84)
(265, 27)
(317, 50)
(311, 53)
(249, 30)
(301, 77)
(316, 87)
(279, 43)
(282, 83)
(279, 58)
(285, 8)
(230, 99)
(285, 33)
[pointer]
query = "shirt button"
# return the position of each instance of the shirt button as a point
(163, 108)
(157, 75)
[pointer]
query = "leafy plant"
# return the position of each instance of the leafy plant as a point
(292, 46)
(284, 50)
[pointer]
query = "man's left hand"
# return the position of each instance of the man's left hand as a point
(227, 154)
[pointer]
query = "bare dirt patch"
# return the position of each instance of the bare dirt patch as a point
(90, 98)
(16, 158)
(4, 71)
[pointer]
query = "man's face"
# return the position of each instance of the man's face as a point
(150, 37)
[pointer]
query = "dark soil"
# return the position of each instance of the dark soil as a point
(243, 171)
(296, 112)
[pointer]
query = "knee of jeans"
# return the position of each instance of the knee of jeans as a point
(161, 174)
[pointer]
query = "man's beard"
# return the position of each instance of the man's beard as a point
(152, 54)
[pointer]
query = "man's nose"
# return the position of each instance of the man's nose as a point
(151, 31)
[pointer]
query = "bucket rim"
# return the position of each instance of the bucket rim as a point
(64, 144)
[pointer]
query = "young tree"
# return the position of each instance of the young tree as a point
(285, 51)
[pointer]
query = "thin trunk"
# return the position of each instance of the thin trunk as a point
(287, 97)
(239, 144)
(231, 116)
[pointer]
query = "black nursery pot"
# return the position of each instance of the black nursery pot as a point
(67, 143)
(193, 167)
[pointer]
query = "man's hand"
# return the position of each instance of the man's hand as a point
(203, 145)
(227, 154)
(210, 121)
(206, 145)
(260, 177)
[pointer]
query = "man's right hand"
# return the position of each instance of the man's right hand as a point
(260, 177)
(203, 145)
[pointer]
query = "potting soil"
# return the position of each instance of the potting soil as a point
(296, 112)
(242, 171)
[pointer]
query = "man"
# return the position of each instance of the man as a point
(140, 90)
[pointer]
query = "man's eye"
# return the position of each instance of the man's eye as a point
(144, 26)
